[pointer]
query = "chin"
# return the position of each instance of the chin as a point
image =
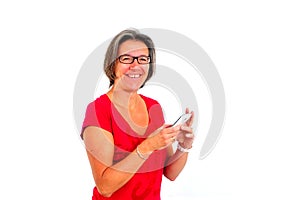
(133, 89)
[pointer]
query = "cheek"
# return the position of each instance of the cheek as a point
(120, 70)
(146, 70)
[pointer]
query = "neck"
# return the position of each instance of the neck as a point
(123, 98)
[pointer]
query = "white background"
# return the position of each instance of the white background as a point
(255, 46)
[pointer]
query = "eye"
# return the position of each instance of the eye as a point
(144, 59)
(125, 58)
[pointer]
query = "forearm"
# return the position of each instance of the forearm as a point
(175, 164)
(110, 177)
(117, 175)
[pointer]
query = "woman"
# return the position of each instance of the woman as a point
(128, 145)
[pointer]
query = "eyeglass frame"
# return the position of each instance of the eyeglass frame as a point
(135, 58)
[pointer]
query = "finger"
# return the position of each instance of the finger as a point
(191, 120)
(172, 129)
(187, 129)
(173, 136)
(189, 135)
(173, 139)
(187, 110)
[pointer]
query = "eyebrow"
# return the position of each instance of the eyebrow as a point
(133, 56)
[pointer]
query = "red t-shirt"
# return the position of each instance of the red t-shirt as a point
(146, 183)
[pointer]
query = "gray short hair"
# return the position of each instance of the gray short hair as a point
(112, 52)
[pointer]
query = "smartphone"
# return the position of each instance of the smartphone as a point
(183, 118)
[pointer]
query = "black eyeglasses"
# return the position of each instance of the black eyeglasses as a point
(127, 59)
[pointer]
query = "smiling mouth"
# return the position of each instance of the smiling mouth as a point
(133, 75)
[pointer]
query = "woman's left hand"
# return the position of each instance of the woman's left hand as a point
(186, 135)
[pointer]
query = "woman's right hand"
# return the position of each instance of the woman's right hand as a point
(160, 139)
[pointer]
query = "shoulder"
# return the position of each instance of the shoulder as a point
(98, 113)
(103, 99)
(98, 107)
(100, 102)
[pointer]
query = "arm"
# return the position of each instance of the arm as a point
(176, 161)
(100, 149)
(175, 164)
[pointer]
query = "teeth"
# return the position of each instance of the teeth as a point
(133, 75)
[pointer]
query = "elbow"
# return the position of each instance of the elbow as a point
(106, 195)
(105, 186)
(104, 192)
(171, 177)
(104, 189)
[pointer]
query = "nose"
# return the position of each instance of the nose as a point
(135, 60)
(134, 63)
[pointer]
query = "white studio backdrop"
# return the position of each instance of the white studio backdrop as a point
(254, 45)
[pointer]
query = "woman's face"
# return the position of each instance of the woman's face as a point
(131, 77)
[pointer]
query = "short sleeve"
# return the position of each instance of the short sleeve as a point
(97, 114)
